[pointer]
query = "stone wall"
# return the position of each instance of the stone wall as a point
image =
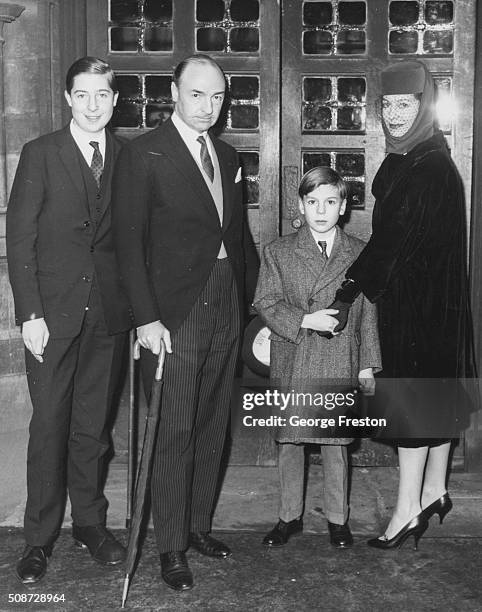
(31, 87)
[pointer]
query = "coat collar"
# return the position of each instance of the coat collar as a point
(341, 257)
(69, 156)
(167, 141)
(112, 148)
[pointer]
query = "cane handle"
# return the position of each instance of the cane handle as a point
(160, 362)
(137, 350)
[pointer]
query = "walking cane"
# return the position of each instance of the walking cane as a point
(143, 471)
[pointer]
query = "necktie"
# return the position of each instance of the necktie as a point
(324, 254)
(206, 160)
(97, 164)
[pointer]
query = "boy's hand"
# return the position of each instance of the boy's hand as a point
(321, 320)
(367, 381)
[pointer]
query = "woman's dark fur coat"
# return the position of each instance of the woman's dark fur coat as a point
(414, 267)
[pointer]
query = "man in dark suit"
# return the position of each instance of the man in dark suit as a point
(71, 308)
(178, 230)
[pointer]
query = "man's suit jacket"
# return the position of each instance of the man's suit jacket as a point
(57, 242)
(166, 227)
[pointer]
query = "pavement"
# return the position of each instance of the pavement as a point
(307, 574)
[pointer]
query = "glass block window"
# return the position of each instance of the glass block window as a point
(227, 26)
(140, 26)
(144, 100)
(243, 113)
(349, 164)
(333, 104)
(334, 28)
(249, 161)
(424, 27)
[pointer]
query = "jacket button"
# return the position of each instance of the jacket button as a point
(86, 223)
(311, 301)
(91, 249)
(86, 278)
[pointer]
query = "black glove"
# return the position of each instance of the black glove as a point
(344, 298)
(342, 316)
(348, 292)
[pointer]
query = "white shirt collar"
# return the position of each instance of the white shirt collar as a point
(82, 140)
(189, 135)
(329, 238)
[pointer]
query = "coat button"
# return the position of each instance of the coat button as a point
(311, 301)
(86, 278)
(86, 223)
(91, 249)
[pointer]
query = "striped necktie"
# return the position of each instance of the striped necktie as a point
(206, 161)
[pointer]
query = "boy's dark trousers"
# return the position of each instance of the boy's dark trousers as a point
(71, 393)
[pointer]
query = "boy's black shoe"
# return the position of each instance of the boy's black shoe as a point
(32, 566)
(340, 535)
(282, 532)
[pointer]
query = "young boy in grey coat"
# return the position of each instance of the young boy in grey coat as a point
(299, 274)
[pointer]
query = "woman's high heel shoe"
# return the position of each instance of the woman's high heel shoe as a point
(416, 528)
(441, 506)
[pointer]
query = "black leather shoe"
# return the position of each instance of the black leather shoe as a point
(32, 566)
(340, 535)
(102, 545)
(175, 571)
(207, 545)
(282, 532)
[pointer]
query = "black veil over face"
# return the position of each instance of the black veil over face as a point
(410, 77)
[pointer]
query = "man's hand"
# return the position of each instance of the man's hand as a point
(150, 335)
(321, 320)
(35, 336)
(367, 381)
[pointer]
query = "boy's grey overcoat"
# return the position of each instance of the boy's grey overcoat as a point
(294, 281)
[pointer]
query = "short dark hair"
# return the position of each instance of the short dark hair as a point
(321, 175)
(197, 58)
(90, 65)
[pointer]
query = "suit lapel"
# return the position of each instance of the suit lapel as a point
(226, 184)
(173, 146)
(340, 258)
(69, 158)
(112, 147)
(307, 250)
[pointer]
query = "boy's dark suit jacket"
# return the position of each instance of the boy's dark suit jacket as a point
(166, 226)
(57, 240)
